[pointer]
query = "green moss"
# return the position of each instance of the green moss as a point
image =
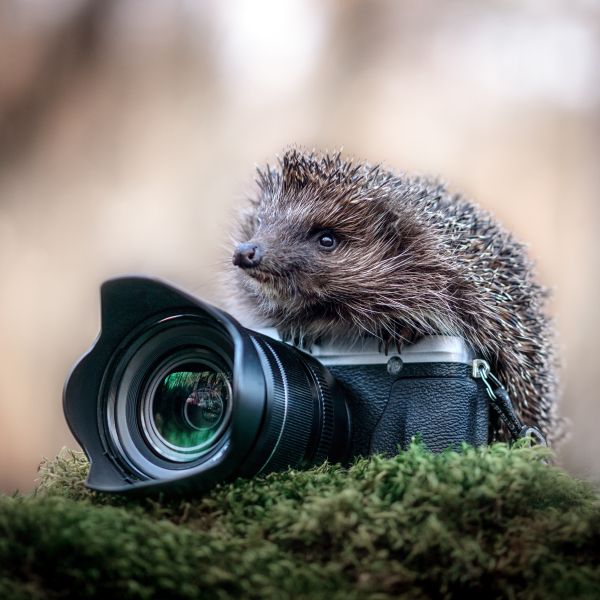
(494, 522)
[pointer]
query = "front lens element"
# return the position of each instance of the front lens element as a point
(187, 409)
(189, 406)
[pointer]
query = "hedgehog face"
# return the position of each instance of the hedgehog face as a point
(329, 246)
(309, 254)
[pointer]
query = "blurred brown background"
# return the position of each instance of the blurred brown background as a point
(129, 130)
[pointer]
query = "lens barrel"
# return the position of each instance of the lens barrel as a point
(175, 394)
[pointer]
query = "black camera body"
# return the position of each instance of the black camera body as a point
(176, 395)
(427, 391)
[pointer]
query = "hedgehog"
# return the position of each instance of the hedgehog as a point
(331, 247)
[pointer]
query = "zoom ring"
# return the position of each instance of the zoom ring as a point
(327, 417)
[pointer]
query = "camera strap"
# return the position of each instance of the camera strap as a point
(502, 404)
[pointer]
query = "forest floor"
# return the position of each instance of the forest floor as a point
(492, 522)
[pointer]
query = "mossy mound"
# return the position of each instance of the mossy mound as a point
(490, 522)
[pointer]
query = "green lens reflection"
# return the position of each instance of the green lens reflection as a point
(190, 404)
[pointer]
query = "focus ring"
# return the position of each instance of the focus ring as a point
(287, 429)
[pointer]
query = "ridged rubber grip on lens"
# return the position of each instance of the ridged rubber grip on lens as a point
(326, 416)
(287, 428)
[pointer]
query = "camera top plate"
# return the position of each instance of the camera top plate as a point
(367, 350)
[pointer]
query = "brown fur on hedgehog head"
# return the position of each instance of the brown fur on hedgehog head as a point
(337, 248)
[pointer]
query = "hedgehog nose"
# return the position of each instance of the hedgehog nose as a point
(247, 255)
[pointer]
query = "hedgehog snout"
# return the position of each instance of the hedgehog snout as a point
(247, 255)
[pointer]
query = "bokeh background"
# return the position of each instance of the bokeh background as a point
(129, 131)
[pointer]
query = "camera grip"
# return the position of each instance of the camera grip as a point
(443, 411)
(440, 402)
(367, 391)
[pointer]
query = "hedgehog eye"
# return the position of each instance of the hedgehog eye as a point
(327, 241)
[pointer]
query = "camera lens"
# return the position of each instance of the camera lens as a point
(175, 392)
(187, 410)
(168, 395)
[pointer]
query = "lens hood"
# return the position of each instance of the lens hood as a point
(140, 304)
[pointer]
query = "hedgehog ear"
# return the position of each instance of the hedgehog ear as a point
(381, 204)
(390, 214)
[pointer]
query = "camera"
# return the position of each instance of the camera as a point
(176, 395)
